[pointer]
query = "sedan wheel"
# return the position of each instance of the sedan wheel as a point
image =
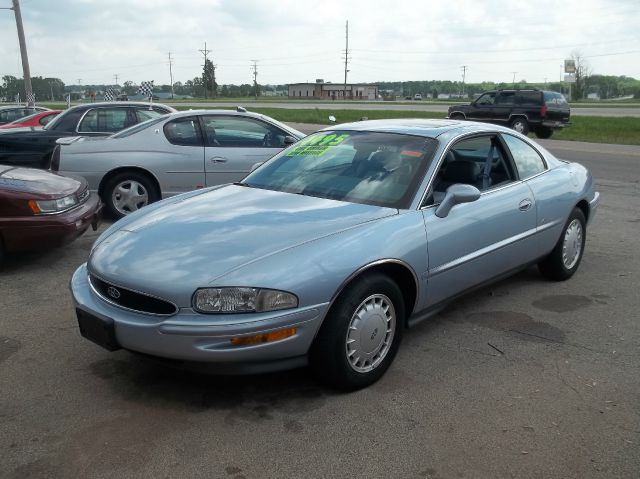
(565, 258)
(360, 335)
(128, 192)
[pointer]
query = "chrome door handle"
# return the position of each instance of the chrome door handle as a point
(525, 204)
(218, 159)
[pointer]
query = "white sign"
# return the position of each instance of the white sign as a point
(570, 78)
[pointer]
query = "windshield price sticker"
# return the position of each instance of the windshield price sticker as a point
(317, 145)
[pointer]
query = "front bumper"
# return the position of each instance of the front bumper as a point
(35, 233)
(193, 337)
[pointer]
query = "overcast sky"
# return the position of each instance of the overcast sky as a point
(301, 40)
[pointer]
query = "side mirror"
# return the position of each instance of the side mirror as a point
(289, 140)
(456, 194)
(332, 118)
(255, 166)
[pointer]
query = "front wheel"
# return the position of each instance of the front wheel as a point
(127, 192)
(520, 125)
(565, 258)
(360, 335)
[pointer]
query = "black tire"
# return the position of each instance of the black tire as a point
(329, 355)
(457, 116)
(520, 124)
(556, 266)
(139, 181)
(543, 132)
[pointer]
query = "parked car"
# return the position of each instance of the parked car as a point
(10, 113)
(327, 251)
(172, 154)
(33, 146)
(40, 209)
(417, 96)
(36, 120)
(523, 110)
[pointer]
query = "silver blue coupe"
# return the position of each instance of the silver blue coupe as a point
(327, 252)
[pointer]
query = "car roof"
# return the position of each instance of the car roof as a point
(14, 107)
(431, 128)
(119, 103)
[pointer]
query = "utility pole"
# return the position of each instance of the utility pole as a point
(255, 77)
(171, 73)
(213, 87)
(116, 78)
(464, 74)
(346, 59)
(205, 52)
(23, 53)
(514, 79)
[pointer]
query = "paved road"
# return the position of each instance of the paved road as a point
(417, 106)
(523, 379)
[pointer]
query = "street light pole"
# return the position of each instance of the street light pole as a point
(23, 53)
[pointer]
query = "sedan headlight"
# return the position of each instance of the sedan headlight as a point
(242, 300)
(40, 207)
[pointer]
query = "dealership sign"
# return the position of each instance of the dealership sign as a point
(569, 66)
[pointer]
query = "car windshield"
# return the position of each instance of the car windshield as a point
(136, 128)
(56, 119)
(382, 169)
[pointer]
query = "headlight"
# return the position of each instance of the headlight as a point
(40, 207)
(242, 300)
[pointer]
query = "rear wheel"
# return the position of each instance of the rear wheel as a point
(360, 335)
(544, 132)
(520, 124)
(129, 191)
(565, 258)
(457, 116)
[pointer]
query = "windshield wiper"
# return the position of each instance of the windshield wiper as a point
(242, 183)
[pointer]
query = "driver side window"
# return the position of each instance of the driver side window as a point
(239, 132)
(478, 161)
(486, 99)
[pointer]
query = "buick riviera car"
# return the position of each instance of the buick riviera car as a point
(172, 154)
(329, 250)
(41, 210)
(32, 147)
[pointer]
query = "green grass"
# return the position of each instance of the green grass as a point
(622, 130)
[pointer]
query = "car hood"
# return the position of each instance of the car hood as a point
(40, 184)
(187, 244)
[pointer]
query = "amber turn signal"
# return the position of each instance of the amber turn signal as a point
(263, 338)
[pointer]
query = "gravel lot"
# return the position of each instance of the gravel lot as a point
(526, 378)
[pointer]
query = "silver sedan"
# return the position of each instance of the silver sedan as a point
(172, 154)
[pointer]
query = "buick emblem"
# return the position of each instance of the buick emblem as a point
(113, 292)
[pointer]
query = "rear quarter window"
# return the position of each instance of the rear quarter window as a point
(529, 98)
(554, 98)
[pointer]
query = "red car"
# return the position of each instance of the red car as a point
(40, 209)
(37, 119)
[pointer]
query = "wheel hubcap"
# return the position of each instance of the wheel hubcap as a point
(370, 333)
(129, 196)
(518, 126)
(572, 244)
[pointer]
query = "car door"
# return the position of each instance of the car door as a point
(482, 108)
(501, 110)
(483, 239)
(235, 143)
(183, 160)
